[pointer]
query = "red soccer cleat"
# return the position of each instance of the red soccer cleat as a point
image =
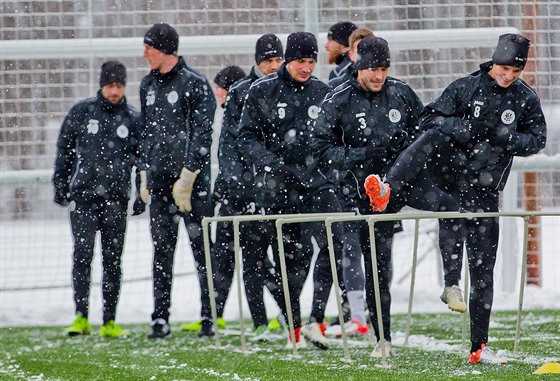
(378, 193)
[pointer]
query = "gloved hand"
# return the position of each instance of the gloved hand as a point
(284, 175)
(478, 130)
(398, 141)
(61, 197)
(373, 152)
(144, 192)
(501, 136)
(182, 189)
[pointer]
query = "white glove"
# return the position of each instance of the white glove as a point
(144, 192)
(182, 189)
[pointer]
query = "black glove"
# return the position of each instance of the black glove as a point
(375, 153)
(398, 141)
(284, 176)
(501, 136)
(478, 131)
(61, 197)
(138, 207)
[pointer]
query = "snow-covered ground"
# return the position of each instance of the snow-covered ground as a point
(35, 275)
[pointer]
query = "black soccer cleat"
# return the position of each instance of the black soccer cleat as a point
(160, 329)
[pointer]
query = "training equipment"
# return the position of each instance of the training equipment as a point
(206, 328)
(160, 329)
(453, 297)
(195, 326)
(144, 192)
(112, 329)
(377, 350)
(353, 328)
(486, 356)
(80, 326)
(378, 193)
(315, 332)
(182, 189)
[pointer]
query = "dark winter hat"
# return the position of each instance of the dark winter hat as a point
(340, 32)
(301, 45)
(268, 46)
(512, 50)
(112, 71)
(228, 76)
(163, 37)
(373, 52)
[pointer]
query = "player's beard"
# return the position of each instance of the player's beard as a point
(333, 55)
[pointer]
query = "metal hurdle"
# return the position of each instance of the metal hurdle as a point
(236, 220)
(372, 219)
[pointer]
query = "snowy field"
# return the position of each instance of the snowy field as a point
(35, 276)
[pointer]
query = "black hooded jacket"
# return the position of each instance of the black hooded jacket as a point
(95, 151)
(359, 133)
(177, 116)
(478, 105)
(275, 132)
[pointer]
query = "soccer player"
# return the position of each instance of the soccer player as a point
(364, 125)
(337, 46)
(95, 152)
(177, 117)
(475, 128)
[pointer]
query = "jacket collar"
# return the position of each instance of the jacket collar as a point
(108, 106)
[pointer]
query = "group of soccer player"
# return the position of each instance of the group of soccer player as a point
(292, 144)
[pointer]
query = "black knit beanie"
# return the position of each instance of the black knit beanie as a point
(373, 52)
(112, 71)
(163, 37)
(268, 46)
(228, 76)
(341, 31)
(301, 45)
(512, 50)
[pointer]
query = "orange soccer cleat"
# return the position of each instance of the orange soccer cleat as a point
(378, 193)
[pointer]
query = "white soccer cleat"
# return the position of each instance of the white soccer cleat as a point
(377, 350)
(315, 333)
(453, 297)
(486, 356)
(354, 328)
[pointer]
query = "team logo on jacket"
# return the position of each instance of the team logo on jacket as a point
(93, 126)
(508, 117)
(150, 98)
(394, 115)
(313, 112)
(122, 131)
(172, 97)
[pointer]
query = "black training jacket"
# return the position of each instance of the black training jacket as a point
(235, 177)
(177, 117)
(343, 63)
(478, 99)
(95, 151)
(351, 120)
(274, 132)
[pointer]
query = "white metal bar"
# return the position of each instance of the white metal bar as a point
(412, 281)
(238, 44)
